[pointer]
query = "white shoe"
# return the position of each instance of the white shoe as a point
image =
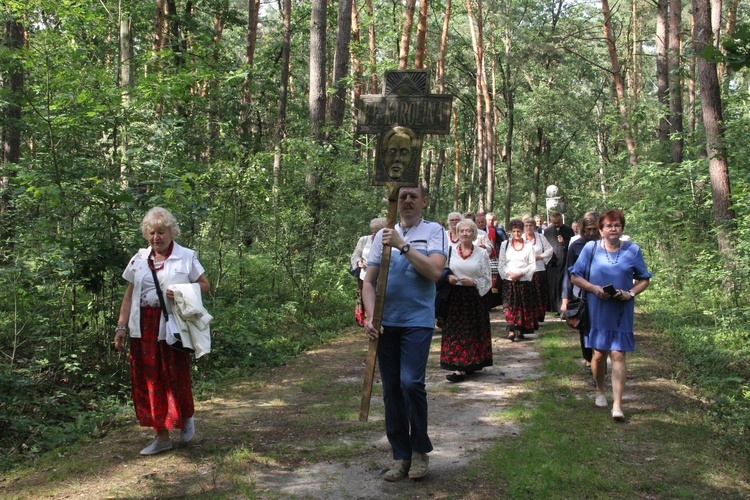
(157, 446)
(188, 429)
(618, 415)
(601, 401)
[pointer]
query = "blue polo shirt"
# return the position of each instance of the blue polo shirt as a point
(409, 296)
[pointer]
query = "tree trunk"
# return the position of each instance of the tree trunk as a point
(435, 191)
(126, 83)
(636, 50)
(420, 52)
(14, 96)
(618, 83)
(372, 48)
(675, 79)
(403, 55)
(712, 123)
(286, 44)
(317, 96)
(253, 9)
(692, 111)
(443, 47)
(457, 159)
(357, 72)
(662, 69)
(341, 62)
(483, 104)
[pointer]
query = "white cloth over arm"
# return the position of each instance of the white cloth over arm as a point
(192, 317)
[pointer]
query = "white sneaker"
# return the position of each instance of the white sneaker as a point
(157, 446)
(601, 401)
(188, 429)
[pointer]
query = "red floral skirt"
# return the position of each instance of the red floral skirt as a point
(520, 307)
(160, 377)
(467, 343)
(359, 307)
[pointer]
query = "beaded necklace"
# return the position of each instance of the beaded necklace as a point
(151, 264)
(450, 235)
(607, 252)
(513, 243)
(461, 252)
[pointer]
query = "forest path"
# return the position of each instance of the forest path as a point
(293, 432)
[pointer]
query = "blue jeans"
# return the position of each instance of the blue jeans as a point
(403, 354)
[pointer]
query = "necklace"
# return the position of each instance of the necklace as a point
(450, 235)
(513, 242)
(406, 229)
(461, 252)
(611, 260)
(151, 264)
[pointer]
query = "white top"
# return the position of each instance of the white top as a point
(541, 247)
(360, 254)
(512, 260)
(483, 241)
(476, 266)
(182, 266)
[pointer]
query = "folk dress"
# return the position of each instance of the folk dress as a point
(467, 343)
(160, 375)
(518, 296)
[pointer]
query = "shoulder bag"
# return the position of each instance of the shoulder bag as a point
(576, 315)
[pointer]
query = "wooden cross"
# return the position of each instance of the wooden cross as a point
(401, 116)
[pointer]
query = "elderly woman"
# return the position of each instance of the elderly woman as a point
(467, 343)
(542, 254)
(589, 232)
(452, 233)
(160, 374)
(618, 266)
(517, 262)
(358, 267)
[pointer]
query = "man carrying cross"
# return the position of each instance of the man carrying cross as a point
(408, 320)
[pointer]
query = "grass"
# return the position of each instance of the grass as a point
(668, 448)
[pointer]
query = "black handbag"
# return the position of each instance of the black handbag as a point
(178, 344)
(576, 315)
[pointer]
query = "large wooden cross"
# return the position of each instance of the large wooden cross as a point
(401, 116)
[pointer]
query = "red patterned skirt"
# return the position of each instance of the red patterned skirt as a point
(160, 377)
(520, 306)
(359, 306)
(467, 343)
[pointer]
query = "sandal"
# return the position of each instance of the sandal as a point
(455, 377)
(511, 336)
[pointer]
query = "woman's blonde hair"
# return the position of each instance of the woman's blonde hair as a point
(160, 218)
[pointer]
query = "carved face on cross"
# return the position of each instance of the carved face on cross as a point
(397, 147)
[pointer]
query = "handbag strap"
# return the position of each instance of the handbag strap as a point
(588, 270)
(158, 289)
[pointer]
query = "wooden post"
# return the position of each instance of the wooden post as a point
(377, 313)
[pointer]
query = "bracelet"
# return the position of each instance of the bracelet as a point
(121, 328)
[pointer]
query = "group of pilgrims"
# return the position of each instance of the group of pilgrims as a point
(523, 270)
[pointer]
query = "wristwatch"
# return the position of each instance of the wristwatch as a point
(405, 249)
(632, 295)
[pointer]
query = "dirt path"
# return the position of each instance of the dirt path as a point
(292, 432)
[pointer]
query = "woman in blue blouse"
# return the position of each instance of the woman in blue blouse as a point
(620, 264)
